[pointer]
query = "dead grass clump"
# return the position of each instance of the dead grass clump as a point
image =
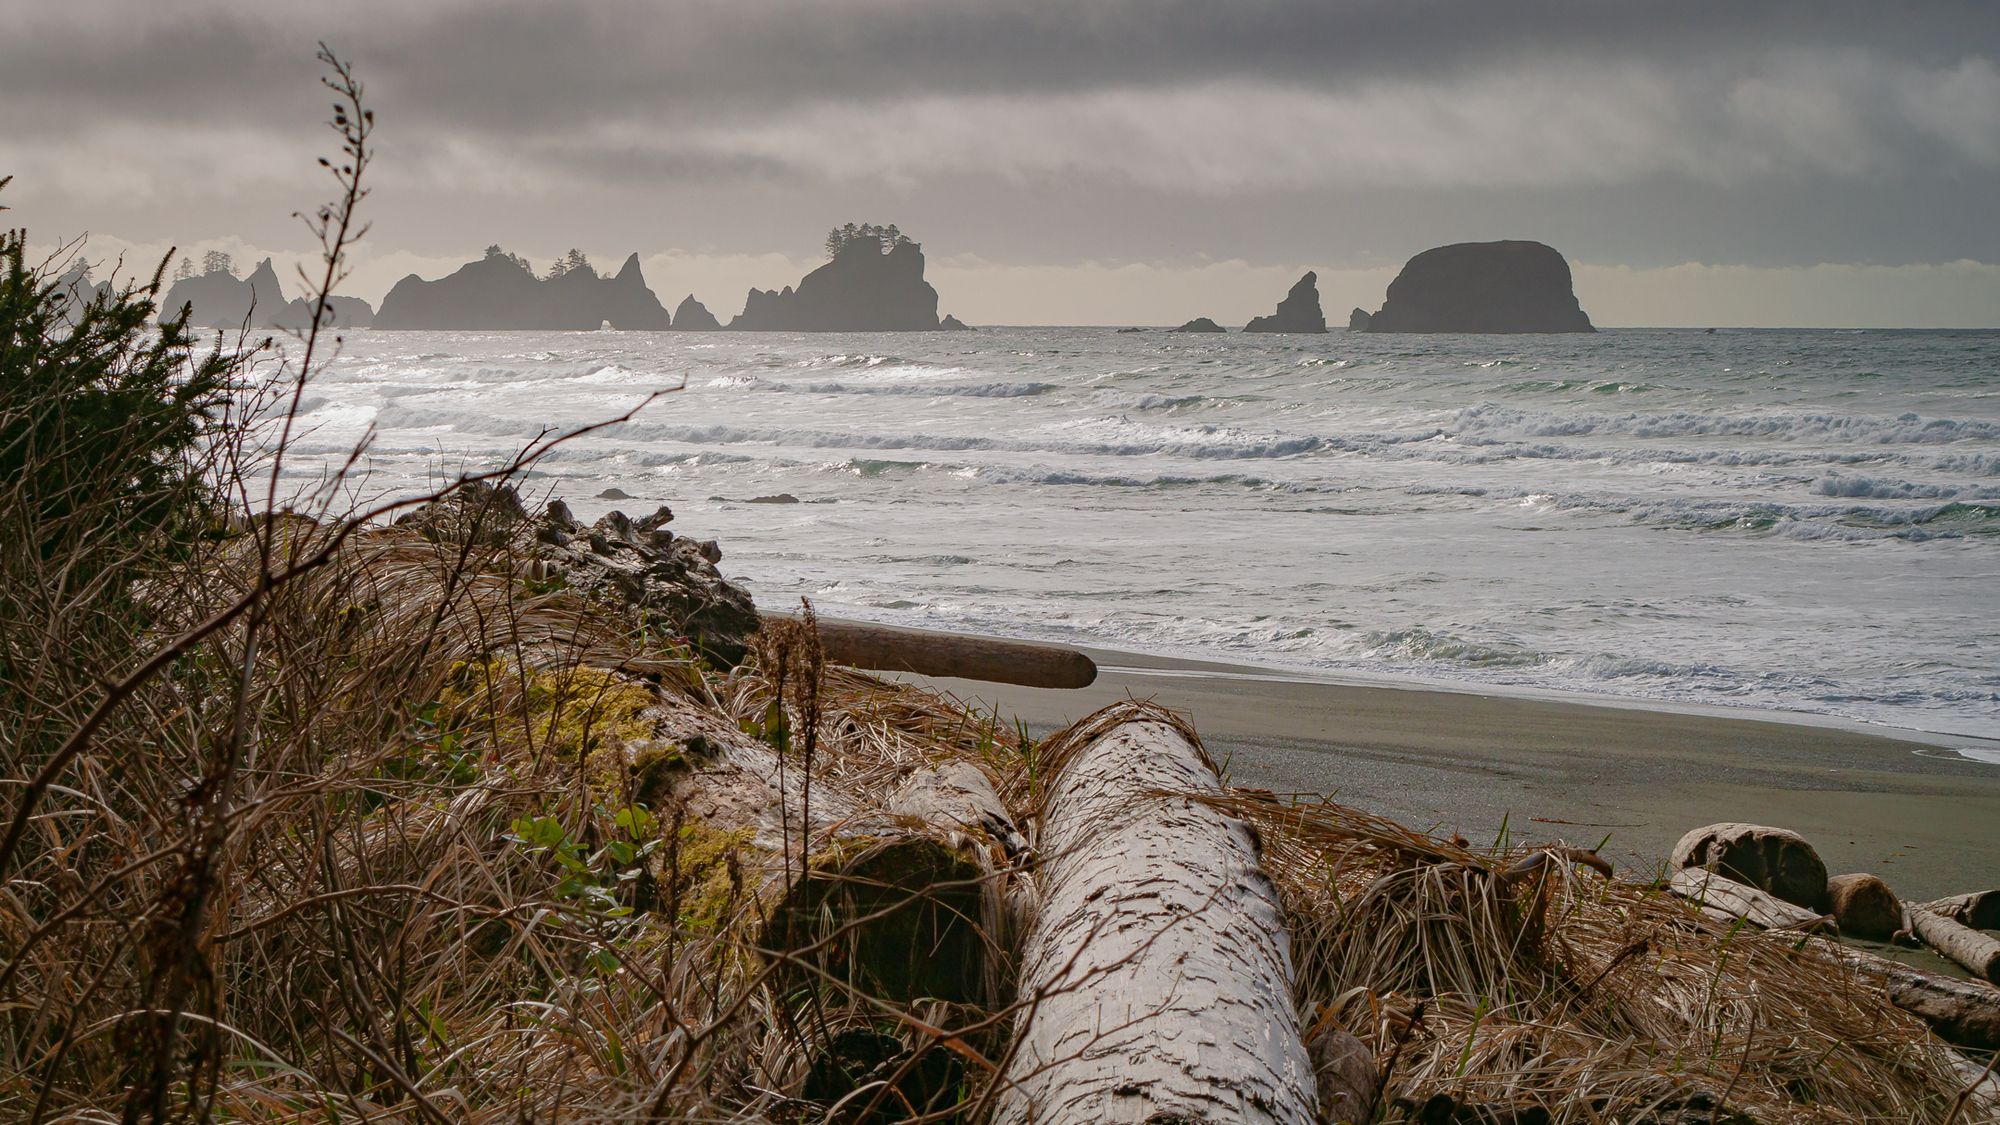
(1520, 978)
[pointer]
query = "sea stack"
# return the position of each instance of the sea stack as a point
(219, 299)
(1199, 324)
(874, 283)
(1358, 320)
(951, 323)
(693, 316)
(1509, 286)
(501, 292)
(1298, 312)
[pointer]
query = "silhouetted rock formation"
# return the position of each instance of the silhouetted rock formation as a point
(1199, 324)
(78, 291)
(498, 292)
(863, 289)
(693, 316)
(951, 323)
(222, 300)
(1298, 312)
(1358, 320)
(1509, 286)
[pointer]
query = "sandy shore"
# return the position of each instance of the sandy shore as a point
(1922, 817)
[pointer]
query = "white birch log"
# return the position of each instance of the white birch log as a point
(1156, 982)
(1978, 952)
(1729, 900)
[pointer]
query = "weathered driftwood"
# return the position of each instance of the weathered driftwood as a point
(957, 795)
(1978, 952)
(886, 649)
(1966, 1013)
(1729, 900)
(1978, 909)
(913, 890)
(1156, 982)
(1961, 1012)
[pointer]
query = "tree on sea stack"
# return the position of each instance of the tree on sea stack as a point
(885, 238)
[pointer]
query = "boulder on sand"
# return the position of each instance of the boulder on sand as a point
(1864, 906)
(1770, 859)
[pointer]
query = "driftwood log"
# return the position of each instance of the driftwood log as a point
(883, 648)
(914, 886)
(1156, 982)
(1965, 1013)
(1962, 1012)
(1724, 898)
(1978, 909)
(1978, 952)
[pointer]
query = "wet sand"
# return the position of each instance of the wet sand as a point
(1924, 818)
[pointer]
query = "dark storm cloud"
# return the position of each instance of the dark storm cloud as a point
(512, 65)
(1034, 132)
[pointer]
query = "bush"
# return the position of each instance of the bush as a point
(102, 418)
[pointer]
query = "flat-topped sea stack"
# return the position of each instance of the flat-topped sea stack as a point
(500, 292)
(1509, 286)
(220, 299)
(1199, 324)
(1298, 312)
(874, 283)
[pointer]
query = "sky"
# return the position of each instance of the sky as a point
(1700, 163)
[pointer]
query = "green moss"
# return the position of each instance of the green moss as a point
(570, 712)
(701, 870)
(576, 711)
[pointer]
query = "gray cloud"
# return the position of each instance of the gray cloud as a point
(1036, 131)
(506, 65)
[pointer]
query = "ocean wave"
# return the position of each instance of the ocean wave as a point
(883, 366)
(1857, 486)
(1843, 522)
(1426, 646)
(1087, 437)
(1512, 423)
(965, 390)
(1117, 400)
(1044, 475)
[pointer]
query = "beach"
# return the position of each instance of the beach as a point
(1914, 812)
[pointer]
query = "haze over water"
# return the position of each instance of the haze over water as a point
(1802, 520)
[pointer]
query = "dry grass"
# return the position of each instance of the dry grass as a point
(1513, 978)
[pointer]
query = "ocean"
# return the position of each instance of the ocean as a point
(1802, 521)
